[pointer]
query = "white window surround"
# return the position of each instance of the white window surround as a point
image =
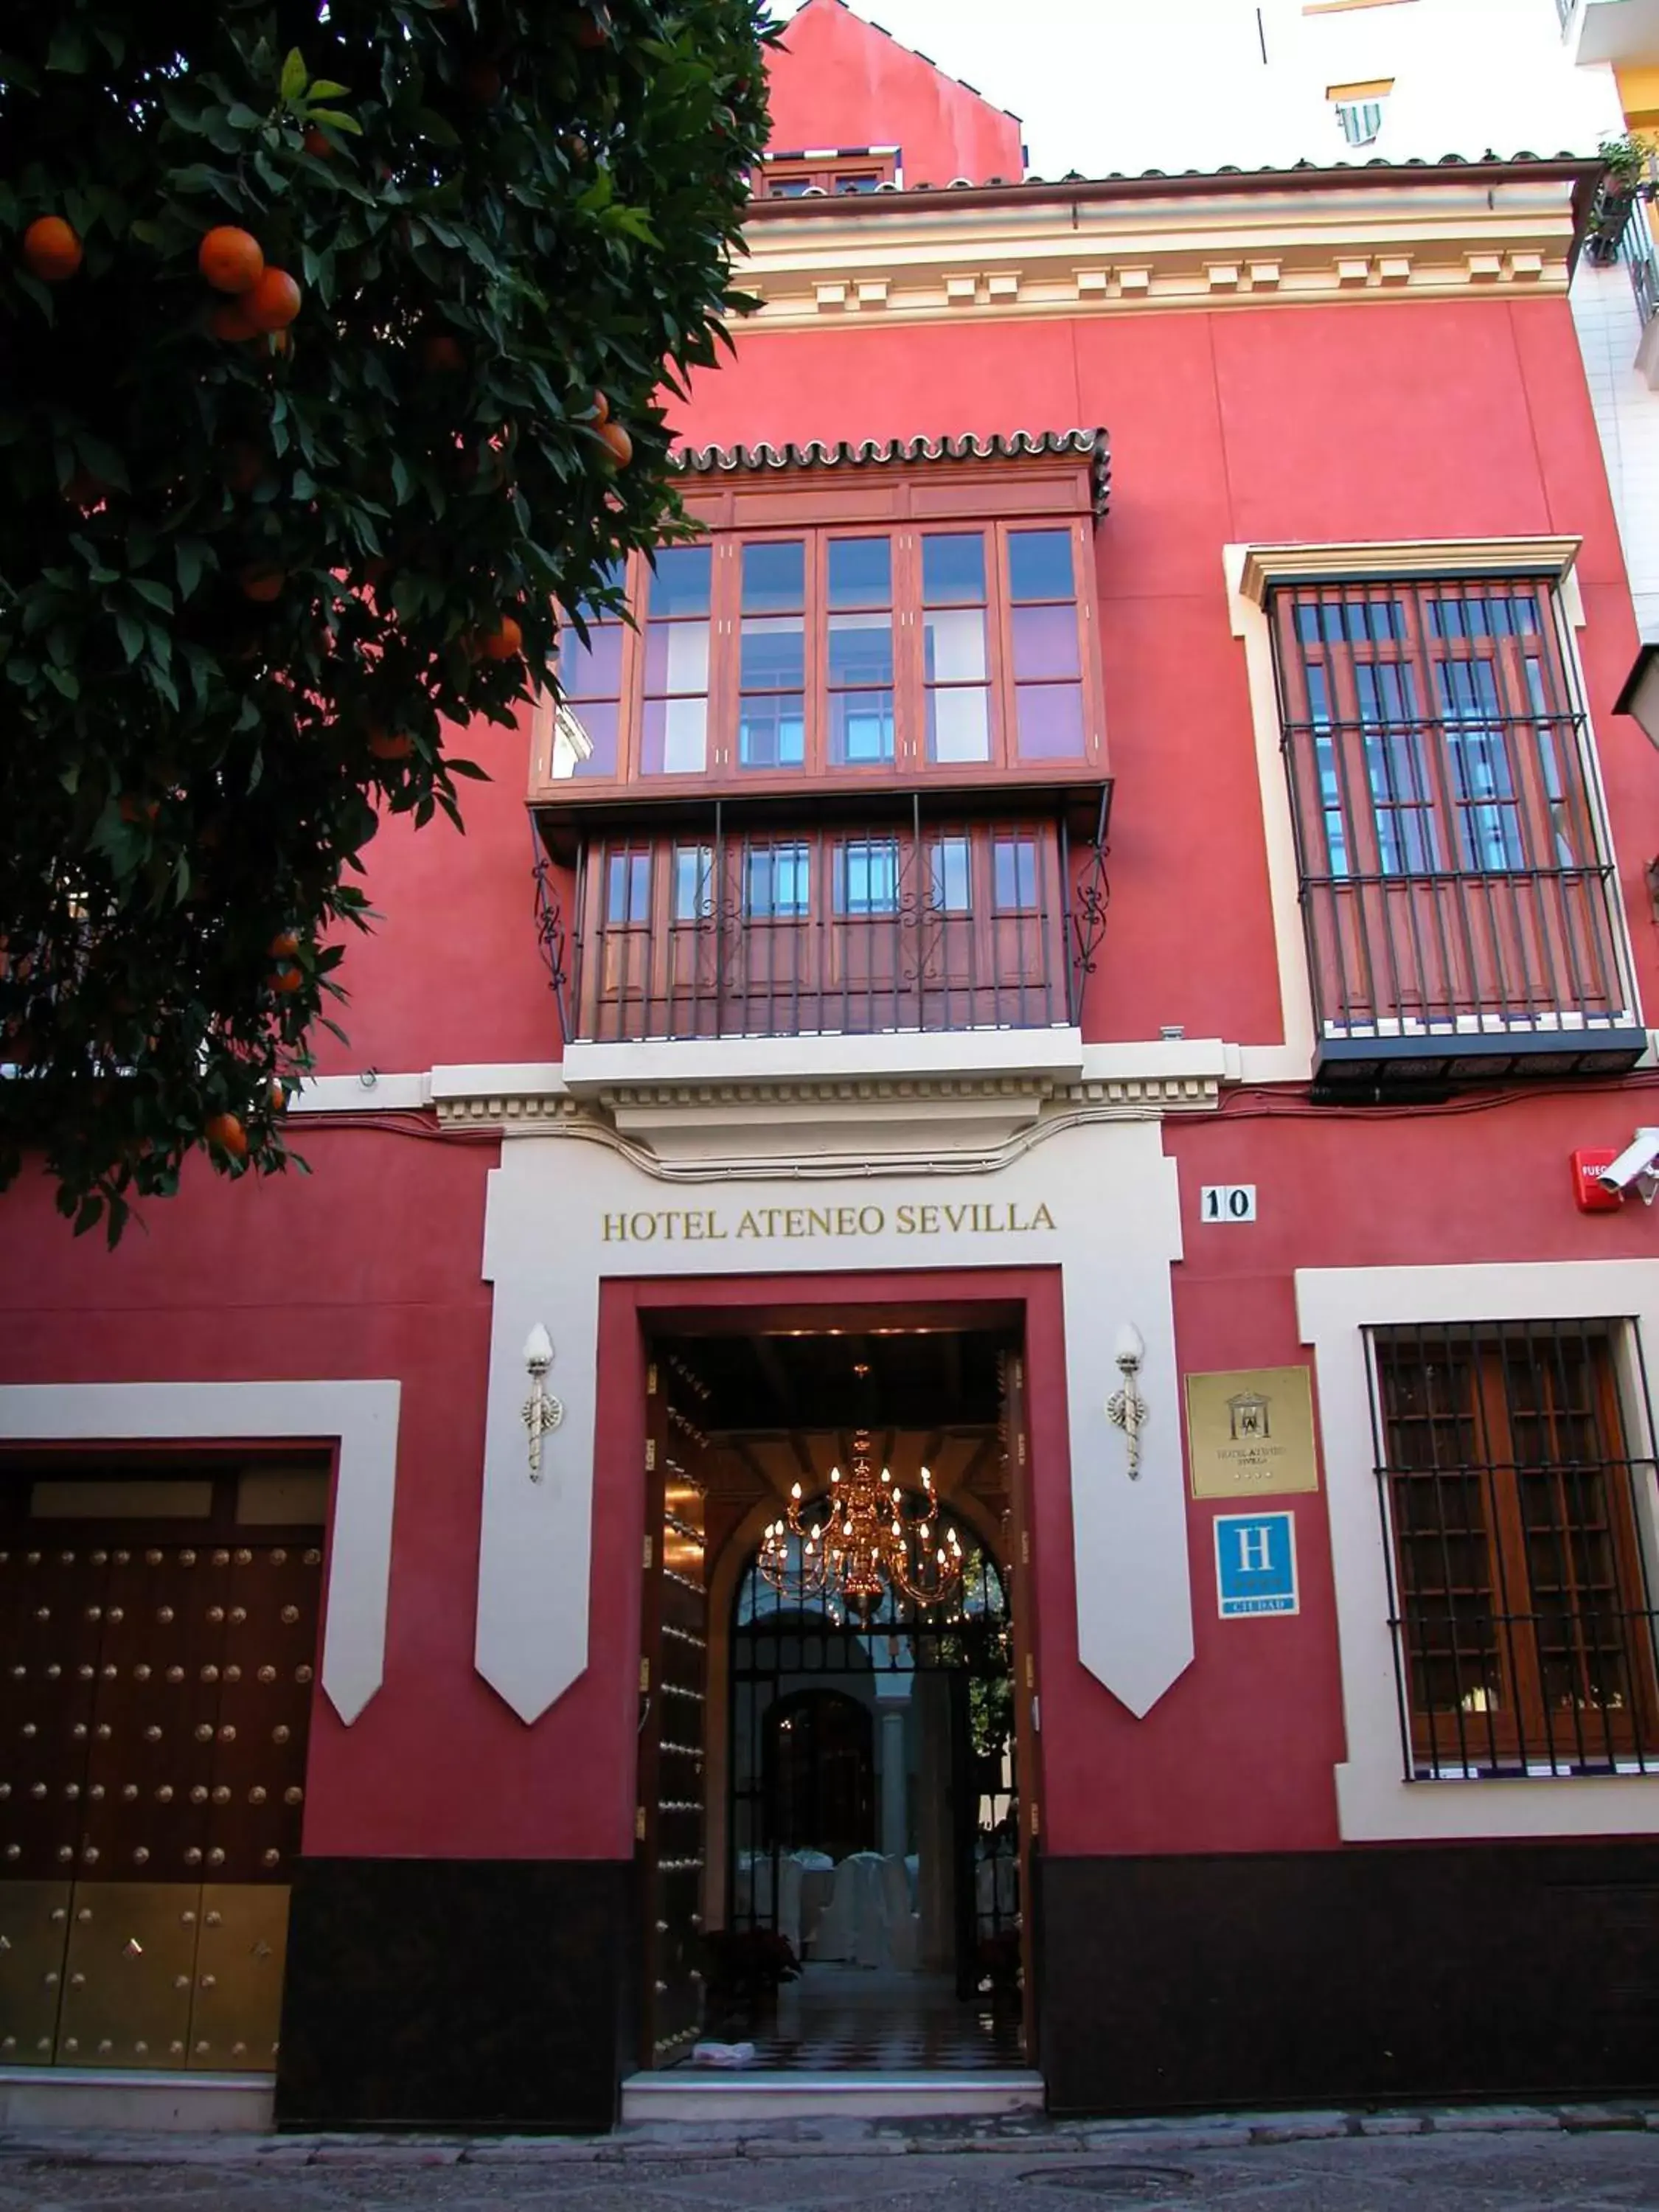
(1251, 569)
(358, 1419)
(1335, 1307)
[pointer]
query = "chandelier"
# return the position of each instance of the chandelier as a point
(867, 1541)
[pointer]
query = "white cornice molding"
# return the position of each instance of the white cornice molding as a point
(1263, 565)
(1433, 238)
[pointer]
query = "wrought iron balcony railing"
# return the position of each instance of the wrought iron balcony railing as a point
(706, 926)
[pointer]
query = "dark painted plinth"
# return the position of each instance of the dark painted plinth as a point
(1368, 1974)
(457, 1994)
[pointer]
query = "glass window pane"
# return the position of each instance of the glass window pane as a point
(628, 888)
(676, 737)
(592, 670)
(860, 649)
(775, 882)
(681, 584)
(1040, 565)
(774, 577)
(868, 877)
(861, 572)
(1014, 875)
(694, 883)
(1045, 642)
(959, 725)
(1050, 717)
(953, 570)
(772, 654)
(772, 729)
(594, 722)
(861, 728)
(676, 656)
(953, 647)
(950, 876)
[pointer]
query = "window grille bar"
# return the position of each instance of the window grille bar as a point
(1516, 1496)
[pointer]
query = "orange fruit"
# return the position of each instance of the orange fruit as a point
(230, 259)
(482, 83)
(52, 249)
(284, 945)
(288, 978)
(502, 642)
(621, 445)
(391, 745)
(277, 1096)
(139, 810)
(261, 583)
(319, 143)
(273, 302)
(227, 1133)
(601, 408)
(228, 320)
(442, 354)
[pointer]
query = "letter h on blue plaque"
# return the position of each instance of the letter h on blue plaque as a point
(1255, 1564)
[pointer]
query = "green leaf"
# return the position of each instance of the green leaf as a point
(324, 87)
(337, 119)
(69, 52)
(293, 81)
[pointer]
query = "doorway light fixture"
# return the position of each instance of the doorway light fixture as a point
(1127, 1409)
(867, 1541)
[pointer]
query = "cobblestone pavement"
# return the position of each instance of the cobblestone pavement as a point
(1523, 2159)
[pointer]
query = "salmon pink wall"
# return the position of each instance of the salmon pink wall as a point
(838, 81)
(1400, 419)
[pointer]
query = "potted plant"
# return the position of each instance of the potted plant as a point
(1623, 183)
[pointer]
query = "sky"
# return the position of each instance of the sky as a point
(1015, 51)
(1105, 85)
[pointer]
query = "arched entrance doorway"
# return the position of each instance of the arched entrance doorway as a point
(873, 1826)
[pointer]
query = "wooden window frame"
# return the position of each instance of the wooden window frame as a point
(998, 502)
(1474, 1438)
(822, 173)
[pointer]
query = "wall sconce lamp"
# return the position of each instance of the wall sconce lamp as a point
(1125, 1409)
(542, 1411)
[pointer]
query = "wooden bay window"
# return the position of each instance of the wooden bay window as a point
(940, 623)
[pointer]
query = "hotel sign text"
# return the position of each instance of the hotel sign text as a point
(711, 1224)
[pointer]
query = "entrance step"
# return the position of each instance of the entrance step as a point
(747, 2096)
(87, 2097)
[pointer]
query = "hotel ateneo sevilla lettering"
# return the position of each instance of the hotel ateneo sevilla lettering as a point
(683, 1530)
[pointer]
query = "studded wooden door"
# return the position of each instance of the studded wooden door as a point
(1028, 1778)
(155, 1688)
(670, 1824)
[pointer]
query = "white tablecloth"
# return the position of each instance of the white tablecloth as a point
(868, 1921)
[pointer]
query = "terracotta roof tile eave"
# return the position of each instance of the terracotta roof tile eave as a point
(1581, 170)
(817, 453)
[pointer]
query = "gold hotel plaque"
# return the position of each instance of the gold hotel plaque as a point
(1250, 1434)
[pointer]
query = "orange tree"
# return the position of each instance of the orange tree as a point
(330, 338)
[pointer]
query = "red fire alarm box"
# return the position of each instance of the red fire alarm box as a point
(1586, 1187)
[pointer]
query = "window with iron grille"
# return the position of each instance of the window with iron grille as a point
(1455, 879)
(1517, 1509)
